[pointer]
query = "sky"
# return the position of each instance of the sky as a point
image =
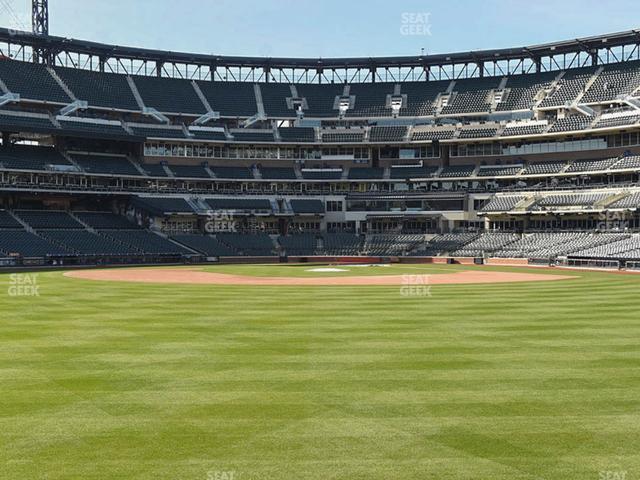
(327, 28)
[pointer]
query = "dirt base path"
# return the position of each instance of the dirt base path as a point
(194, 276)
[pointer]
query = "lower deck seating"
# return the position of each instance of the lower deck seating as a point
(7, 221)
(299, 244)
(104, 220)
(49, 219)
(341, 244)
(392, 244)
(145, 242)
(27, 244)
(444, 244)
(83, 242)
(205, 244)
(253, 245)
(486, 244)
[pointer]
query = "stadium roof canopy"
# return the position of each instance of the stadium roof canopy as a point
(614, 47)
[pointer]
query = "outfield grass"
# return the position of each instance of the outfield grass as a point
(118, 380)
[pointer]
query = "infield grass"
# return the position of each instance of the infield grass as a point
(106, 380)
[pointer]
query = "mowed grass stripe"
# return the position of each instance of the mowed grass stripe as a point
(536, 380)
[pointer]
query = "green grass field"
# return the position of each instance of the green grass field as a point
(118, 380)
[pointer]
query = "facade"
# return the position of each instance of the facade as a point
(113, 155)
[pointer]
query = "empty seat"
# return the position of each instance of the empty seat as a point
(49, 219)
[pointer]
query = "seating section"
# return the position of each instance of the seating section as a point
(162, 205)
(299, 244)
(315, 207)
(27, 157)
(591, 165)
(471, 96)
(502, 203)
(523, 89)
(499, 171)
(571, 124)
(149, 131)
(370, 99)
(457, 171)
(366, 173)
(274, 99)
(343, 136)
(391, 244)
(413, 172)
(105, 90)
(32, 81)
(552, 245)
(230, 99)
(320, 99)
(584, 200)
(569, 87)
(621, 247)
(213, 135)
(546, 168)
(253, 245)
(17, 121)
(523, 130)
(486, 244)
(631, 162)
(49, 220)
(444, 244)
(341, 244)
(432, 134)
(155, 170)
(189, 171)
(59, 234)
(104, 221)
(145, 242)
(387, 134)
(275, 173)
(609, 121)
(205, 244)
(421, 97)
(479, 132)
(255, 205)
(105, 164)
(613, 81)
(631, 201)
(86, 243)
(311, 174)
(232, 172)
(297, 134)
(92, 129)
(265, 136)
(26, 244)
(8, 222)
(169, 95)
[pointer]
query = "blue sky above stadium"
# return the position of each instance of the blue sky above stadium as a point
(327, 28)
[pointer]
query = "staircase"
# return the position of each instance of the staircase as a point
(26, 226)
(604, 203)
(587, 86)
(137, 166)
(87, 227)
(62, 85)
